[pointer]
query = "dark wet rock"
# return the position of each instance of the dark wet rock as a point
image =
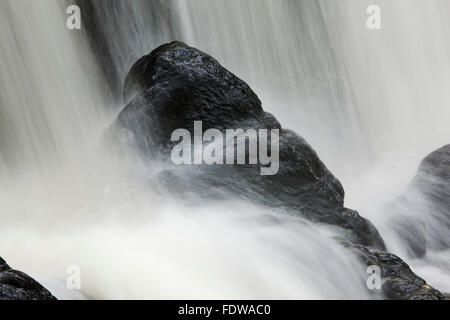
(433, 182)
(398, 280)
(422, 214)
(16, 285)
(176, 85)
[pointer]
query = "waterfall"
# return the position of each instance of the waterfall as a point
(357, 95)
(371, 103)
(51, 99)
(52, 115)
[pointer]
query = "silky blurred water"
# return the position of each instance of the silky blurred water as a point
(371, 103)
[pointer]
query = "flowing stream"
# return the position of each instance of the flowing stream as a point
(371, 103)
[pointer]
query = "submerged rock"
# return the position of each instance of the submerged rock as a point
(16, 285)
(176, 85)
(422, 213)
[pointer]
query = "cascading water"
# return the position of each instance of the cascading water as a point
(372, 103)
(398, 77)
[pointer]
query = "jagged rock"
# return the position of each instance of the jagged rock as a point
(422, 213)
(176, 85)
(398, 280)
(16, 285)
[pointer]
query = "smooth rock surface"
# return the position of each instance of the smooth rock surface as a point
(176, 85)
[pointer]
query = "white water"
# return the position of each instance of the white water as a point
(371, 103)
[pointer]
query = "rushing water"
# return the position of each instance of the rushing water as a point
(372, 103)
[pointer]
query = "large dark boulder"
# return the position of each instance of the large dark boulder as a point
(421, 216)
(16, 285)
(176, 85)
